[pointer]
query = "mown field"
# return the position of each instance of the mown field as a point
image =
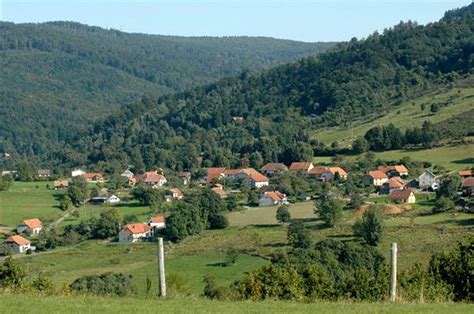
(407, 114)
(83, 304)
(452, 158)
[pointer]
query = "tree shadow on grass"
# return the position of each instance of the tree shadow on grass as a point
(128, 205)
(275, 245)
(57, 196)
(267, 225)
(463, 222)
(218, 264)
(464, 161)
(317, 227)
(305, 220)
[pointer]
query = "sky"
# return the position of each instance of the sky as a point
(304, 20)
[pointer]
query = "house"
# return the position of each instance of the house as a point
(113, 199)
(468, 186)
(214, 173)
(30, 226)
(466, 173)
(326, 174)
(158, 222)
(234, 174)
(43, 173)
(375, 178)
(301, 166)
(272, 199)
(135, 232)
(238, 119)
(18, 244)
(403, 196)
(394, 183)
(273, 168)
(11, 173)
(60, 185)
(93, 177)
(394, 171)
(219, 190)
(77, 172)
(127, 174)
(254, 178)
(185, 177)
(266, 188)
(427, 180)
(150, 179)
(173, 194)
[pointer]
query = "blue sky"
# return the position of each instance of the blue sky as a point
(306, 20)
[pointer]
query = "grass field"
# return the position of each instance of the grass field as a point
(82, 304)
(452, 158)
(28, 200)
(408, 114)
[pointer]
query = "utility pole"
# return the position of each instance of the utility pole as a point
(161, 268)
(393, 272)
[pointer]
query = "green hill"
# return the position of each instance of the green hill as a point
(283, 107)
(59, 77)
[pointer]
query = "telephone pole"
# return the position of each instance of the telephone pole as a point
(393, 272)
(161, 268)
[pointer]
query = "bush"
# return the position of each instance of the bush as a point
(298, 236)
(108, 284)
(443, 204)
(232, 254)
(282, 214)
(330, 211)
(43, 284)
(11, 274)
(370, 227)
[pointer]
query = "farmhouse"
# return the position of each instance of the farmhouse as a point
(214, 173)
(375, 178)
(135, 232)
(394, 183)
(326, 174)
(173, 194)
(30, 226)
(94, 177)
(468, 186)
(150, 179)
(403, 196)
(11, 173)
(271, 169)
(272, 198)
(157, 222)
(43, 173)
(105, 199)
(18, 244)
(60, 184)
(466, 173)
(255, 179)
(301, 166)
(394, 171)
(427, 180)
(77, 172)
(127, 174)
(218, 189)
(185, 177)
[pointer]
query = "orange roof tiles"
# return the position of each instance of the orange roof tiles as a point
(19, 240)
(400, 194)
(296, 166)
(157, 219)
(377, 174)
(32, 223)
(137, 228)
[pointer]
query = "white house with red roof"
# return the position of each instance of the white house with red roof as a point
(158, 222)
(94, 177)
(375, 178)
(18, 244)
(301, 166)
(150, 179)
(272, 198)
(273, 168)
(31, 226)
(136, 232)
(255, 179)
(394, 171)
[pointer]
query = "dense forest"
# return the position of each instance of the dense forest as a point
(270, 116)
(59, 77)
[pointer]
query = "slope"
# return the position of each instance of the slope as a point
(57, 78)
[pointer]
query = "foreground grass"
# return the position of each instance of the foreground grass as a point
(80, 304)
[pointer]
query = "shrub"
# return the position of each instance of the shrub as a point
(330, 211)
(298, 236)
(109, 284)
(282, 214)
(43, 284)
(231, 256)
(370, 227)
(11, 274)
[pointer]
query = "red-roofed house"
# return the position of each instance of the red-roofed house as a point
(272, 199)
(273, 168)
(174, 194)
(185, 176)
(30, 226)
(150, 179)
(394, 183)
(402, 196)
(375, 178)
(135, 232)
(466, 173)
(254, 178)
(18, 244)
(219, 190)
(468, 186)
(394, 171)
(328, 173)
(301, 166)
(93, 177)
(157, 222)
(214, 173)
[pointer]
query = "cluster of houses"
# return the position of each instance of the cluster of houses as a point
(17, 243)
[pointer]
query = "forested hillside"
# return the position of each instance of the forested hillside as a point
(281, 107)
(57, 78)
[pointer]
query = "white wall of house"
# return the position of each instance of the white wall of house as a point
(127, 236)
(77, 172)
(18, 248)
(426, 180)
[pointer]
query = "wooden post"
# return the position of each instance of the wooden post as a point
(393, 277)
(161, 268)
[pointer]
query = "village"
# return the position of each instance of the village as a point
(266, 187)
